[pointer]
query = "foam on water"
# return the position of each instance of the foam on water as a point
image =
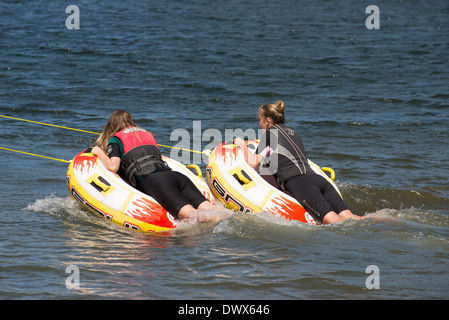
(61, 207)
(71, 212)
(226, 221)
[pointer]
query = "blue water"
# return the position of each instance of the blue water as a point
(371, 104)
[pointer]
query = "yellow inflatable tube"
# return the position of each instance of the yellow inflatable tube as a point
(242, 189)
(104, 192)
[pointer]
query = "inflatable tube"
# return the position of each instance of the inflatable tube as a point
(104, 192)
(242, 189)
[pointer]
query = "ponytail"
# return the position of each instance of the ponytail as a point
(275, 111)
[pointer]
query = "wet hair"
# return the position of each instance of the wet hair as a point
(275, 111)
(118, 121)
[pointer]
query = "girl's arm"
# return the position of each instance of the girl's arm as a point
(112, 164)
(252, 159)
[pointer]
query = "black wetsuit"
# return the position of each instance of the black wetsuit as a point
(171, 189)
(285, 157)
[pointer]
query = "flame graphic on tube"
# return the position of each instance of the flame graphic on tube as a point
(288, 209)
(83, 164)
(150, 212)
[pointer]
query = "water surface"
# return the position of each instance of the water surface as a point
(371, 104)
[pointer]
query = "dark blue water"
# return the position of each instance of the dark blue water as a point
(371, 104)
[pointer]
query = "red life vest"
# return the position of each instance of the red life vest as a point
(141, 155)
(133, 137)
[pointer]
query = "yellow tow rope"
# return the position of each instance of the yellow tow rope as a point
(92, 132)
(330, 170)
(36, 155)
(48, 124)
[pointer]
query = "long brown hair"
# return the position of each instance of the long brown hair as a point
(273, 110)
(118, 121)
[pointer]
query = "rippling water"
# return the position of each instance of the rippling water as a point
(371, 104)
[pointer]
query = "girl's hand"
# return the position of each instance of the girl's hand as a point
(239, 142)
(112, 164)
(96, 150)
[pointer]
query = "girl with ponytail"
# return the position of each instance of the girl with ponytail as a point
(282, 152)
